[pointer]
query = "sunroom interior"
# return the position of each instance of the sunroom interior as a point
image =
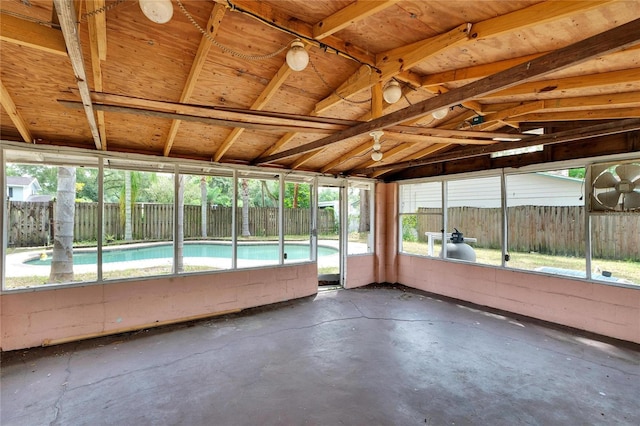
(349, 140)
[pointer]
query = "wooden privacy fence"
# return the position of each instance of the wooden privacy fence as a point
(31, 223)
(557, 230)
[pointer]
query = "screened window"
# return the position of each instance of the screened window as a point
(421, 218)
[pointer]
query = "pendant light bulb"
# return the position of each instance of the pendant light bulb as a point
(440, 113)
(392, 92)
(158, 11)
(297, 56)
(376, 146)
(376, 156)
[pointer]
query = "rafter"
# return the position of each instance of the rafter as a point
(67, 17)
(16, 118)
(420, 154)
(592, 114)
(558, 85)
(611, 128)
(97, 25)
(32, 35)
(213, 25)
(270, 14)
(349, 15)
(608, 41)
(610, 100)
(265, 96)
(393, 62)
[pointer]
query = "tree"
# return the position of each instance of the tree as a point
(180, 229)
(245, 208)
(62, 261)
(203, 206)
(364, 225)
(128, 235)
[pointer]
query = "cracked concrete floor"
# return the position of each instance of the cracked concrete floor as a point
(371, 356)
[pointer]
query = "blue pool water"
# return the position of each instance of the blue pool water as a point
(267, 251)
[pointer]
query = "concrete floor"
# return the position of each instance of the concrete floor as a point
(371, 356)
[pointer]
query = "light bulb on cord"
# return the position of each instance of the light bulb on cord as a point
(392, 92)
(376, 146)
(376, 156)
(297, 56)
(158, 11)
(440, 113)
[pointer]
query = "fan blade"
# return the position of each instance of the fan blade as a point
(632, 200)
(609, 199)
(605, 180)
(628, 171)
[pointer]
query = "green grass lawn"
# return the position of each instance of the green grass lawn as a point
(628, 270)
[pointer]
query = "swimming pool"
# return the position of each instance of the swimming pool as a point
(253, 251)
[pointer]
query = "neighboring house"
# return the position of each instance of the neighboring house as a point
(24, 188)
(534, 189)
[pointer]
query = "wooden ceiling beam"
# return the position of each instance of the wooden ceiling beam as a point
(558, 85)
(377, 109)
(16, 118)
(30, 34)
(599, 130)
(213, 25)
(608, 41)
(393, 62)
(292, 25)
(68, 23)
(401, 59)
(538, 14)
(590, 114)
(97, 25)
(349, 15)
(415, 156)
(355, 152)
(265, 96)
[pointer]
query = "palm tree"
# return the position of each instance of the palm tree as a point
(62, 261)
(180, 231)
(203, 206)
(245, 208)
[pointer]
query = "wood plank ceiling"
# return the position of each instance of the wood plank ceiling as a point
(212, 83)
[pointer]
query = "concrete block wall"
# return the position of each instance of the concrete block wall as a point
(360, 270)
(61, 314)
(598, 308)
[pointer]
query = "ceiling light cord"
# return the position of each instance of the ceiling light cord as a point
(334, 91)
(225, 48)
(102, 9)
(311, 40)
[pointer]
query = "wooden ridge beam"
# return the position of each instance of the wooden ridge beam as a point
(608, 41)
(349, 15)
(212, 27)
(30, 34)
(16, 118)
(68, 21)
(622, 126)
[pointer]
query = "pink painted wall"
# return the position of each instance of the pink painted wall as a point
(599, 308)
(360, 270)
(32, 318)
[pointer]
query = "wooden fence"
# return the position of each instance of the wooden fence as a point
(542, 229)
(31, 223)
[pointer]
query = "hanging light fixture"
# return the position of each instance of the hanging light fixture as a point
(297, 56)
(440, 113)
(158, 11)
(392, 92)
(376, 155)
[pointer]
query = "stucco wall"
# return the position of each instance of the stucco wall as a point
(598, 308)
(50, 316)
